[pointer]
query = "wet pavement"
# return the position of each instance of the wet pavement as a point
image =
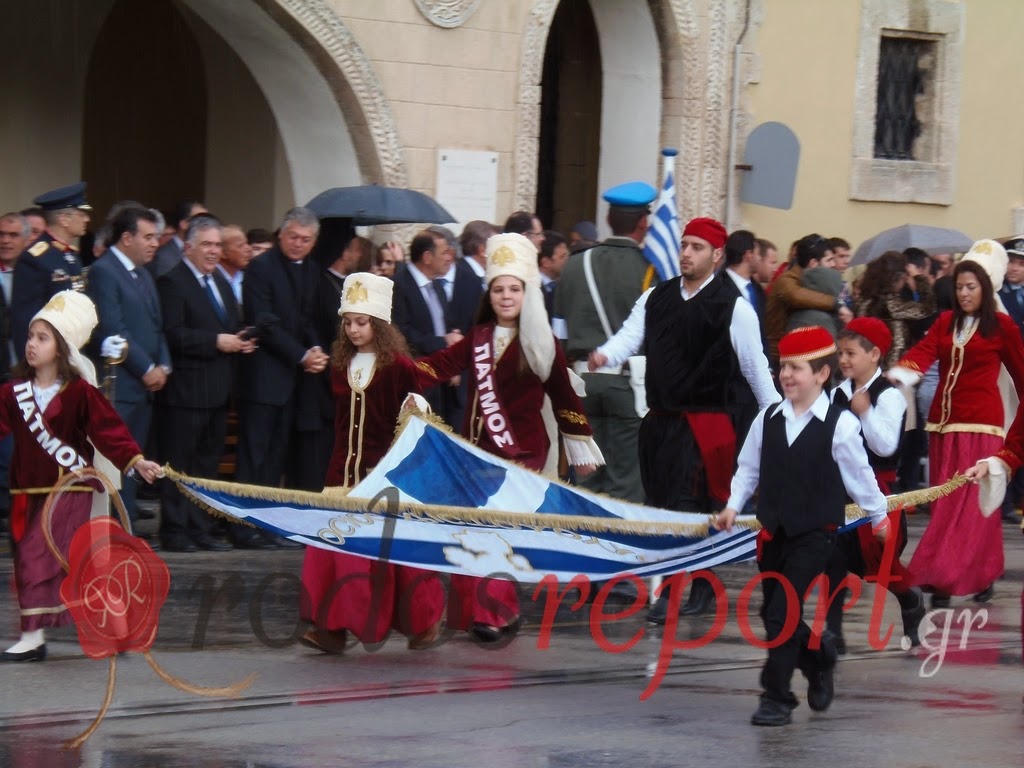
(955, 702)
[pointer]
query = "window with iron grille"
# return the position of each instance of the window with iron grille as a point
(904, 72)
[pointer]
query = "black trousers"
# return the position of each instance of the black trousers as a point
(137, 417)
(263, 435)
(671, 467)
(191, 441)
(308, 457)
(798, 560)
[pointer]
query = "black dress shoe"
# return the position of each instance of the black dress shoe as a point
(486, 634)
(840, 645)
(771, 713)
(151, 540)
(986, 594)
(700, 601)
(912, 616)
(282, 543)
(36, 654)
(144, 514)
(177, 544)
(254, 542)
(820, 690)
(940, 601)
(658, 611)
(210, 544)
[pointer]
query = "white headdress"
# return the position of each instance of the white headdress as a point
(367, 294)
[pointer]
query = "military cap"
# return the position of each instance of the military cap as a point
(1015, 247)
(71, 196)
(632, 194)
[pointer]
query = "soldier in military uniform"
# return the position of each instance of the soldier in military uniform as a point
(52, 263)
(621, 274)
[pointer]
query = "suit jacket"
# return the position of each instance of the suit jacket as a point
(280, 298)
(167, 258)
(314, 404)
(129, 307)
(1013, 307)
(203, 375)
(412, 316)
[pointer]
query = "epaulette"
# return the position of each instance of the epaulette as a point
(39, 248)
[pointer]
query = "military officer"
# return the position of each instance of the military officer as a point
(588, 310)
(51, 264)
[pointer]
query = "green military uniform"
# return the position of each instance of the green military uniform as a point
(621, 274)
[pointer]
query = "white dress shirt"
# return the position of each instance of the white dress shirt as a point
(847, 452)
(202, 283)
(478, 269)
(744, 334)
(426, 286)
(235, 281)
(741, 282)
(882, 423)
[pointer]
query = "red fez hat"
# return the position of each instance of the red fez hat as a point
(707, 229)
(805, 344)
(874, 330)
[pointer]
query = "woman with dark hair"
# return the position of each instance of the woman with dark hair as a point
(880, 289)
(961, 552)
(513, 362)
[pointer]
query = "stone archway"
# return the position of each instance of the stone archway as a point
(331, 113)
(696, 61)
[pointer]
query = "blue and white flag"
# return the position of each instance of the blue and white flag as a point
(437, 502)
(662, 245)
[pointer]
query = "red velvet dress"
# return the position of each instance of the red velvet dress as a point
(341, 591)
(961, 551)
(494, 602)
(77, 413)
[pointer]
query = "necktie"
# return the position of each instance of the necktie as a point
(221, 313)
(439, 284)
(752, 293)
(143, 288)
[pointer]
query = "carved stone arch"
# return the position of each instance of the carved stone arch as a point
(696, 64)
(334, 120)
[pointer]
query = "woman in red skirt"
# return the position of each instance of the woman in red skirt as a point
(961, 552)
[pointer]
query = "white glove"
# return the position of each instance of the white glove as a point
(113, 347)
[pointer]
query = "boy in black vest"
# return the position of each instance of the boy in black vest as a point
(807, 457)
(882, 411)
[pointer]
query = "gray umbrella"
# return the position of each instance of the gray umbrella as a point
(929, 239)
(373, 204)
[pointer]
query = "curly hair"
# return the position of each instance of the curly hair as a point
(388, 340)
(65, 371)
(879, 278)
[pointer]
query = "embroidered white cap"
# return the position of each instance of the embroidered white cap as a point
(367, 294)
(513, 255)
(72, 314)
(992, 258)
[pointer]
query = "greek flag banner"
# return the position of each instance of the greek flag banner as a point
(437, 502)
(662, 245)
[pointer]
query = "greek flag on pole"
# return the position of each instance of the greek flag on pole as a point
(661, 247)
(456, 508)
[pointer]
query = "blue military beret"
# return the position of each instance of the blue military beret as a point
(71, 196)
(632, 194)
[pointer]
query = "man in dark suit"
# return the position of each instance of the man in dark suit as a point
(128, 307)
(203, 327)
(280, 296)
(434, 304)
(554, 252)
(172, 252)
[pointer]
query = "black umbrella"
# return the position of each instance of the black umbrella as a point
(374, 204)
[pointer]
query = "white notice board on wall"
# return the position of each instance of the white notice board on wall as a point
(467, 184)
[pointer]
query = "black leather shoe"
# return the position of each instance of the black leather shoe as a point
(485, 634)
(153, 541)
(36, 654)
(254, 542)
(840, 645)
(986, 594)
(177, 544)
(282, 543)
(210, 544)
(820, 690)
(700, 601)
(658, 611)
(771, 713)
(144, 514)
(940, 601)
(912, 617)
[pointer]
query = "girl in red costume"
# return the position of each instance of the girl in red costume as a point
(513, 361)
(961, 552)
(56, 414)
(371, 375)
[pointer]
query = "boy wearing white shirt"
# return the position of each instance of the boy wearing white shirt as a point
(806, 456)
(882, 410)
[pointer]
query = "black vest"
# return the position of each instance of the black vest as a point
(878, 463)
(691, 364)
(801, 488)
